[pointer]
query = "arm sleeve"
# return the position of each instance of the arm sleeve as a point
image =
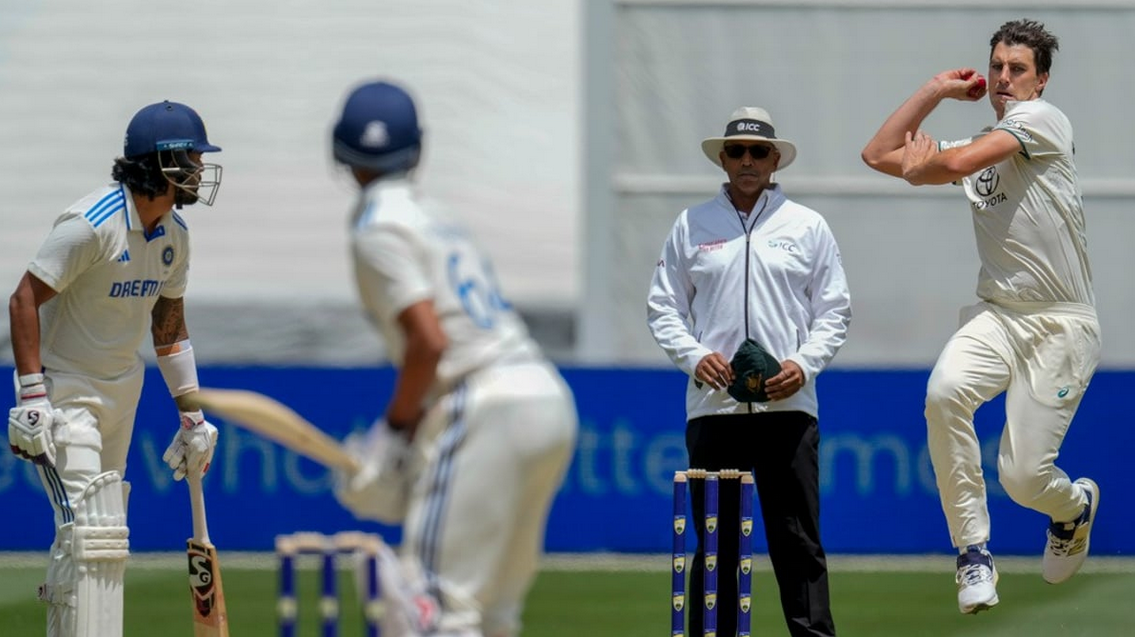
(947, 145)
(831, 307)
(389, 271)
(668, 305)
(69, 250)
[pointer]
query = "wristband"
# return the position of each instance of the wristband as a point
(190, 419)
(179, 369)
(27, 380)
(31, 388)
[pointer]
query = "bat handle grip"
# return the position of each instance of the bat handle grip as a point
(197, 505)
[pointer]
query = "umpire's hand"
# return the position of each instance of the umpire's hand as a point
(787, 382)
(714, 370)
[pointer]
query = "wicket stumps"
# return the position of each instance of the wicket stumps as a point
(678, 575)
(290, 547)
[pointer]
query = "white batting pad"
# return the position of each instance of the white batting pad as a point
(88, 564)
(409, 611)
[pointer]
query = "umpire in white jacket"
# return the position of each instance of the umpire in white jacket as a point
(750, 264)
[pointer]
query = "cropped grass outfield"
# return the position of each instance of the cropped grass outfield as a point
(626, 596)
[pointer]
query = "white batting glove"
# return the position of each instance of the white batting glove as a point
(193, 446)
(29, 422)
(380, 488)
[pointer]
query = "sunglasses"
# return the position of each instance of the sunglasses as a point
(758, 151)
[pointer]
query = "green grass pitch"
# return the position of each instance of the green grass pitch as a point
(632, 603)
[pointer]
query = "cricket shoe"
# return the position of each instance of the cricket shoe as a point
(1067, 545)
(977, 581)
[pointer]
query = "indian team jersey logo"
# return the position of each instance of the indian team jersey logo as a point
(375, 135)
(167, 255)
(679, 563)
(710, 601)
(711, 523)
(679, 524)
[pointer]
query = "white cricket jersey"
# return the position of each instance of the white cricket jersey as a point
(799, 303)
(406, 252)
(108, 274)
(1028, 213)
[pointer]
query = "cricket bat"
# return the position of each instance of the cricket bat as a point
(272, 419)
(210, 619)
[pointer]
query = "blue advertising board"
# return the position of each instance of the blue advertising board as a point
(878, 492)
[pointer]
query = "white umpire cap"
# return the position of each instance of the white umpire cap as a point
(750, 123)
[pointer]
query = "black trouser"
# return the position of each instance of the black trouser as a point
(782, 451)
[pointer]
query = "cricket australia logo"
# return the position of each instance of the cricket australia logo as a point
(201, 581)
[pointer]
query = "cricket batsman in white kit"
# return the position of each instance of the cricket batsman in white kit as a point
(113, 267)
(487, 423)
(1034, 335)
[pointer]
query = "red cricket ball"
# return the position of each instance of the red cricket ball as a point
(977, 88)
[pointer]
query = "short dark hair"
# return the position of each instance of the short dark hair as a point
(141, 174)
(1031, 34)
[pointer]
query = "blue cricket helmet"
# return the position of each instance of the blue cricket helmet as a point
(378, 129)
(166, 126)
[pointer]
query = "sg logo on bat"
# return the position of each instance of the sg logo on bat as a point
(201, 579)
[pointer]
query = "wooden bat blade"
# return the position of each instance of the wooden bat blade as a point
(272, 419)
(210, 617)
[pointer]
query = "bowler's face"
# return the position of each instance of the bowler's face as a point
(1013, 76)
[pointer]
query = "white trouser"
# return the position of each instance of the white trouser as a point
(502, 442)
(1043, 359)
(92, 437)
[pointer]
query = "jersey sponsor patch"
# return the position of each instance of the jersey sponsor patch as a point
(135, 288)
(1019, 128)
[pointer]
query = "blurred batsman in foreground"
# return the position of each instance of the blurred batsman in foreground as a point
(481, 427)
(115, 263)
(1034, 333)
